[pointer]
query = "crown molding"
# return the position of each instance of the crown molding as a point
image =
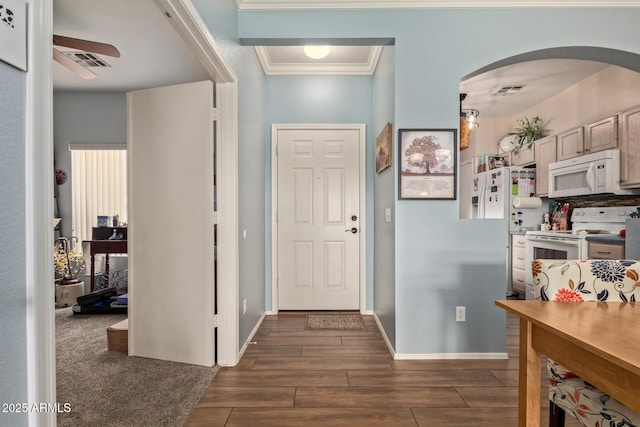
(425, 4)
(318, 69)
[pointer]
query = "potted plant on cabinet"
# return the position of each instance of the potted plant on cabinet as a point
(529, 130)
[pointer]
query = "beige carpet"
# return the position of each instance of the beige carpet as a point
(335, 321)
(108, 388)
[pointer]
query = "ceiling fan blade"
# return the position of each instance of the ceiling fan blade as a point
(86, 45)
(73, 66)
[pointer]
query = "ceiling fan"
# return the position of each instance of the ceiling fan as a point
(86, 49)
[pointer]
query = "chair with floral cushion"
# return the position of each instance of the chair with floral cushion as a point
(578, 281)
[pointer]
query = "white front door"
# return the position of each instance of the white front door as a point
(171, 224)
(318, 218)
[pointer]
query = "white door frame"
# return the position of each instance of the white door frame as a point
(189, 24)
(41, 370)
(274, 203)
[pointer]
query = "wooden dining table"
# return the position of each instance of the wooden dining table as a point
(598, 341)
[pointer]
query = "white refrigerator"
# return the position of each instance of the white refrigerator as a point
(494, 192)
(493, 195)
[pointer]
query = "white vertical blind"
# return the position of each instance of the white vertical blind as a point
(99, 178)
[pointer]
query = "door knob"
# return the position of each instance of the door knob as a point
(354, 230)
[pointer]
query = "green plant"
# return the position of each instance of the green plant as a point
(68, 262)
(529, 130)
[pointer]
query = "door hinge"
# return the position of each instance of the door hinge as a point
(215, 114)
(216, 217)
(216, 320)
(276, 149)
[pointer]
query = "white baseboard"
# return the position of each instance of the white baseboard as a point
(251, 335)
(451, 356)
(384, 335)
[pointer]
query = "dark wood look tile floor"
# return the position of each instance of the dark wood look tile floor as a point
(298, 377)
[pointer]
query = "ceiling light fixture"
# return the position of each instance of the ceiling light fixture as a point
(471, 117)
(316, 52)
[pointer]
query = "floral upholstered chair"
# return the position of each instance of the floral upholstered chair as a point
(577, 281)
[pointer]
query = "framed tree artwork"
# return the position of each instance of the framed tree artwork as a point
(383, 148)
(427, 168)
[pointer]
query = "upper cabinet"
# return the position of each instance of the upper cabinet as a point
(545, 149)
(629, 125)
(570, 144)
(601, 135)
(523, 157)
(597, 136)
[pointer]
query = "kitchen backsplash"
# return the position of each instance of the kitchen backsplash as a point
(601, 201)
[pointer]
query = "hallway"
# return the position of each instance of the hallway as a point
(293, 376)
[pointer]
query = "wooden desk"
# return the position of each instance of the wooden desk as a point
(600, 342)
(104, 247)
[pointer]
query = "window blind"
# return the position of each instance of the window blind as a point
(99, 185)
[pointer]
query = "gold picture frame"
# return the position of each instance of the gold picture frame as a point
(383, 148)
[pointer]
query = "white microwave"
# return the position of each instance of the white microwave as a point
(596, 173)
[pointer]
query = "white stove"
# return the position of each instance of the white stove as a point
(572, 244)
(587, 221)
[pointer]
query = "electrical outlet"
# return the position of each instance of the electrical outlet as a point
(461, 315)
(244, 306)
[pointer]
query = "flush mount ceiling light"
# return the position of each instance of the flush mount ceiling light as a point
(316, 52)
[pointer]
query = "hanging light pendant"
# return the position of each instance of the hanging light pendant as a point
(471, 117)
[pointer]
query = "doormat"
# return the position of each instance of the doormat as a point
(335, 322)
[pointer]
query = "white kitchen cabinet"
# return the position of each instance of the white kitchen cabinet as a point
(601, 135)
(629, 132)
(523, 157)
(570, 144)
(517, 264)
(545, 149)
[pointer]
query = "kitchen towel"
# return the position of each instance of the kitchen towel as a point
(527, 202)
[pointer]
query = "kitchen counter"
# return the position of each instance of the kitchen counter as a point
(606, 238)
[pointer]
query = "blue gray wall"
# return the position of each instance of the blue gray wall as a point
(440, 261)
(83, 118)
(13, 332)
(321, 99)
(385, 196)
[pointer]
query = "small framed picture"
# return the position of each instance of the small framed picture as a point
(383, 148)
(13, 33)
(427, 164)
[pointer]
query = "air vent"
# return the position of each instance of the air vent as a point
(508, 90)
(86, 59)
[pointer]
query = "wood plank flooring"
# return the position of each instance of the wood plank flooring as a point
(326, 378)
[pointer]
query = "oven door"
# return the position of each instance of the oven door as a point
(548, 247)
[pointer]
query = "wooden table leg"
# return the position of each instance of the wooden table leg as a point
(529, 388)
(106, 271)
(93, 272)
